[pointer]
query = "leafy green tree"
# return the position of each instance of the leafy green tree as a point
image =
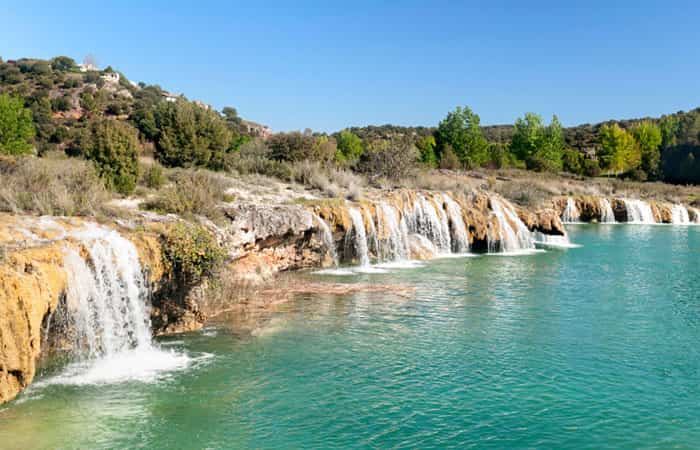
(648, 137)
(460, 130)
(573, 161)
(350, 147)
(189, 135)
(620, 152)
(62, 63)
(113, 146)
(16, 126)
(426, 150)
(669, 129)
(294, 146)
(540, 146)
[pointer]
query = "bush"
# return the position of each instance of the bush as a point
(61, 103)
(65, 187)
(449, 160)
(294, 146)
(254, 158)
(591, 168)
(393, 159)
(189, 135)
(153, 176)
(197, 192)
(573, 161)
(16, 127)
(113, 146)
(191, 252)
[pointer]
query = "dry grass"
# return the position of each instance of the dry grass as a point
(192, 193)
(51, 186)
(331, 181)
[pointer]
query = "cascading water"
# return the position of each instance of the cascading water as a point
(696, 214)
(107, 313)
(606, 212)
(508, 239)
(327, 239)
(460, 238)
(571, 213)
(395, 247)
(679, 215)
(357, 238)
(425, 220)
(639, 211)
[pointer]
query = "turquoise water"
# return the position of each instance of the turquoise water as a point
(593, 347)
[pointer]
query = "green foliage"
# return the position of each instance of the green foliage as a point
(591, 168)
(648, 137)
(426, 150)
(540, 146)
(350, 147)
(192, 193)
(61, 104)
(460, 129)
(294, 146)
(620, 152)
(153, 176)
(16, 127)
(392, 159)
(191, 252)
(449, 159)
(573, 161)
(63, 63)
(113, 146)
(189, 135)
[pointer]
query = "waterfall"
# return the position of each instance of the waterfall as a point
(513, 234)
(606, 211)
(697, 215)
(327, 239)
(639, 211)
(107, 313)
(679, 215)
(357, 238)
(570, 214)
(396, 246)
(425, 220)
(460, 239)
(548, 240)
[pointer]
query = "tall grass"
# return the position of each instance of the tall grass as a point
(52, 186)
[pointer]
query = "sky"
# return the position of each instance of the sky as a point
(329, 65)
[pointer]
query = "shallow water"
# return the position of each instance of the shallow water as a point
(590, 347)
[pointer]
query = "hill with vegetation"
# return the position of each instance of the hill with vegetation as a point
(78, 119)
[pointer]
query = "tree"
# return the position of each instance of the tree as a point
(540, 146)
(460, 129)
(294, 146)
(350, 147)
(648, 137)
(573, 161)
(392, 159)
(113, 146)
(426, 150)
(16, 126)
(620, 152)
(62, 63)
(189, 135)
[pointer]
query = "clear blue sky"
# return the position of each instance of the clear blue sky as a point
(328, 65)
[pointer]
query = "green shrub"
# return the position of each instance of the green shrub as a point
(113, 146)
(153, 176)
(197, 193)
(591, 168)
(449, 160)
(191, 252)
(16, 127)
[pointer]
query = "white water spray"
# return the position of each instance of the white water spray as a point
(571, 213)
(395, 247)
(327, 239)
(639, 211)
(513, 235)
(606, 212)
(357, 238)
(679, 215)
(460, 239)
(108, 314)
